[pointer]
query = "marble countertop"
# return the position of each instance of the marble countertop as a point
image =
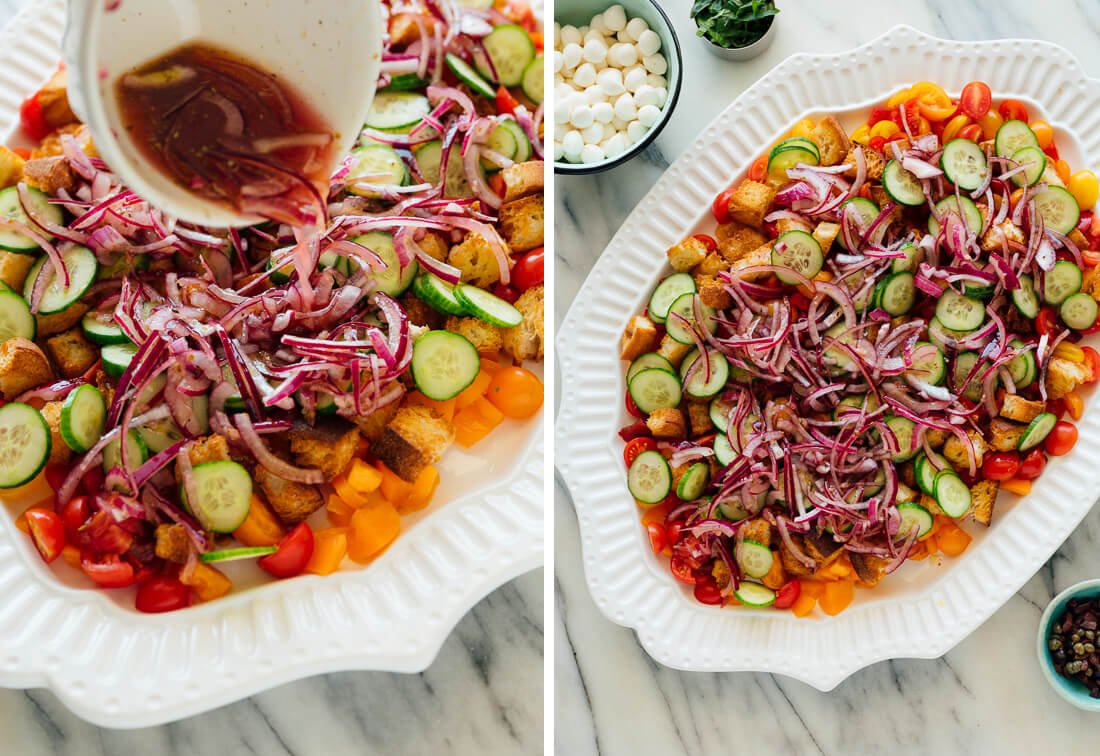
(987, 695)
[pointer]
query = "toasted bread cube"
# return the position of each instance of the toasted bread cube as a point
(405, 28)
(420, 313)
(739, 241)
(874, 159)
(825, 234)
(1021, 410)
(60, 453)
(1090, 282)
(983, 495)
(639, 337)
(880, 197)
(822, 547)
(71, 352)
(1005, 436)
(758, 530)
(53, 100)
(790, 562)
(212, 448)
(783, 225)
(50, 146)
(929, 503)
(905, 494)
(1005, 231)
(327, 446)
(1063, 376)
(1079, 240)
(373, 424)
(956, 452)
(525, 341)
(14, 268)
(686, 254)
(713, 292)
(711, 264)
(434, 244)
(521, 179)
(292, 502)
(475, 258)
(699, 418)
(49, 174)
(831, 140)
(870, 569)
(173, 543)
(762, 255)
(750, 203)
(936, 438)
(11, 167)
(672, 350)
(521, 222)
(414, 439)
(667, 423)
(22, 366)
(57, 322)
(486, 338)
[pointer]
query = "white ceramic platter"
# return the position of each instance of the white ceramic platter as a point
(119, 668)
(925, 608)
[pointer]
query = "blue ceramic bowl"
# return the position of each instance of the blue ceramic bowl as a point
(1071, 690)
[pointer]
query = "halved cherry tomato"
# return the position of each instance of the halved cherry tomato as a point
(55, 475)
(73, 516)
(1001, 465)
(292, 555)
(758, 170)
(1032, 465)
(31, 118)
(1061, 439)
(682, 569)
(707, 592)
(108, 571)
(707, 241)
(975, 99)
(635, 447)
(47, 532)
(658, 539)
(634, 430)
(910, 111)
(506, 103)
(1046, 320)
(1051, 151)
(721, 205)
(882, 114)
(877, 143)
(1044, 133)
(973, 132)
(507, 292)
(162, 594)
(1090, 257)
(632, 408)
(1057, 407)
(1092, 359)
(529, 270)
(674, 530)
(1013, 110)
(516, 392)
(787, 594)
(496, 183)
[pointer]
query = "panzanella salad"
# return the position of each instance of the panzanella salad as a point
(280, 392)
(881, 334)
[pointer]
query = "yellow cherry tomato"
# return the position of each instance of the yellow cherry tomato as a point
(954, 126)
(899, 98)
(862, 135)
(1061, 167)
(804, 128)
(1085, 188)
(1043, 132)
(884, 129)
(933, 102)
(990, 122)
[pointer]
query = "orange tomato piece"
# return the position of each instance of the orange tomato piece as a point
(516, 392)
(490, 363)
(350, 495)
(209, 582)
(815, 589)
(422, 491)
(1062, 168)
(837, 596)
(393, 488)
(1044, 133)
(372, 529)
(1075, 405)
(952, 540)
(475, 422)
(656, 514)
(804, 604)
(261, 527)
(339, 511)
(330, 546)
(1018, 486)
(363, 477)
(71, 555)
(474, 391)
(445, 409)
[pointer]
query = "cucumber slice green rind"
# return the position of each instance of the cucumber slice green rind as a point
(487, 307)
(1061, 282)
(533, 84)
(394, 111)
(1037, 431)
(798, 251)
(393, 280)
(16, 320)
(724, 453)
(223, 491)
(788, 157)
(81, 264)
(697, 386)
(116, 358)
(100, 331)
(1035, 159)
(667, 292)
(1058, 208)
(926, 472)
(693, 483)
(801, 142)
(914, 514)
(961, 206)
(12, 208)
(902, 186)
(896, 294)
(83, 417)
(444, 364)
(963, 163)
(438, 294)
(649, 478)
(375, 163)
(1025, 299)
(684, 307)
(959, 312)
(654, 388)
(754, 594)
(903, 429)
(1079, 311)
(24, 444)
(136, 452)
(232, 555)
(511, 50)
(469, 76)
(649, 360)
(1013, 136)
(755, 559)
(951, 494)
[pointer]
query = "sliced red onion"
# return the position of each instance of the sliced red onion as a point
(273, 464)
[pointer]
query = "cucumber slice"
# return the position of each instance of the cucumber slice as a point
(914, 255)
(960, 370)
(241, 552)
(160, 434)
(469, 76)
(438, 294)
(1025, 299)
(926, 472)
(928, 365)
(100, 327)
(733, 511)
(404, 82)
(83, 417)
(958, 312)
(902, 186)
(724, 453)
(1061, 281)
(754, 559)
(374, 163)
(654, 388)
(1037, 431)
(964, 164)
(951, 494)
(896, 293)
(914, 515)
(865, 212)
(1058, 209)
(397, 111)
(698, 386)
(16, 320)
(1023, 368)
(649, 360)
(429, 156)
(136, 452)
(223, 495)
(798, 251)
(117, 357)
(788, 157)
(649, 478)
(1079, 311)
(81, 264)
(857, 403)
(681, 322)
(693, 484)
(394, 280)
(903, 429)
(1013, 136)
(12, 208)
(509, 138)
(444, 364)
(488, 307)
(963, 207)
(532, 81)
(719, 411)
(1036, 162)
(511, 50)
(24, 444)
(667, 292)
(800, 142)
(754, 594)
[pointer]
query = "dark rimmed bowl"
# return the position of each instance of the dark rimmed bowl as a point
(1071, 690)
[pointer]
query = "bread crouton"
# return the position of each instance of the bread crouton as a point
(750, 203)
(14, 268)
(1015, 407)
(711, 264)
(57, 322)
(905, 494)
(762, 255)
(930, 503)
(639, 337)
(776, 575)
(521, 179)
(1005, 436)
(60, 453)
(414, 439)
(212, 448)
(874, 159)
(740, 241)
(713, 292)
(53, 100)
(173, 543)
(667, 423)
(698, 414)
(11, 167)
(292, 502)
(49, 174)
(477, 261)
(1063, 376)
(405, 28)
(783, 225)
(758, 530)
(1090, 282)
(434, 245)
(71, 352)
(869, 568)
(672, 350)
(687, 254)
(881, 197)
(983, 495)
(22, 366)
(486, 338)
(327, 446)
(421, 313)
(1079, 240)
(50, 145)
(935, 437)
(790, 562)
(525, 341)
(825, 234)
(521, 222)
(1004, 231)
(373, 424)
(831, 140)
(956, 452)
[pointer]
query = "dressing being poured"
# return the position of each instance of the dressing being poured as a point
(230, 131)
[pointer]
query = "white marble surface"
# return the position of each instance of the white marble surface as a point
(482, 695)
(984, 697)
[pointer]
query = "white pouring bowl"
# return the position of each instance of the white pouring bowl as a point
(328, 52)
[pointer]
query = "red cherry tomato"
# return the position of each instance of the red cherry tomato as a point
(1092, 358)
(496, 183)
(975, 99)
(55, 475)
(293, 553)
(1057, 407)
(74, 514)
(882, 114)
(707, 592)
(721, 205)
(92, 482)
(1090, 257)
(1013, 110)
(162, 594)
(787, 594)
(506, 292)
(1032, 465)
(1001, 465)
(707, 241)
(910, 110)
(877, 143)
(973, 132)
(47, 532)
(31, 118)
(758, 171)
(1061, 439)
(506, 103)
(632, 408)
(108, 571)
(1046, 320)
(1051, 151)
(658, 539)
(673, 531)
(682, 569)
(529, 272)
(636, 447)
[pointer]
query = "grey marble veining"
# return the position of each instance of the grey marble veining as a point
(984, 697)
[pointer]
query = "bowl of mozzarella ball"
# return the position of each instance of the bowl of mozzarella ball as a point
(616, 81)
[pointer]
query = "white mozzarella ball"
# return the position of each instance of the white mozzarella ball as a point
(593, 35)
(593, 95)
(662, 96)
(622, 55)
(594, 134)
(557, 34)
(592, 153)
(570, 35)
(584, 33)
(585, 75)
(581, 116)
(610, 82)
(649, 115)
(575, 100)
(615, 18)
(598, 24)
(645, 95)
(636, 131)
(559, 62)
(595, 51)
(625, 37)
(657, 82)
(655, 64)
(624, 107)
(559, 150)
(571, 55)
(635, 27)
(618, 124)
(572, 142)
(603, 112)
(561, 110)
(614, 145)
(634, 77)
(649, 42)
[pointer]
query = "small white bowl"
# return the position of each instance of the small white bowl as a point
(328, 52)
